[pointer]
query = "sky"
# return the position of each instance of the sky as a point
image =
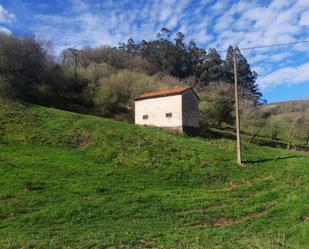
(283, 72)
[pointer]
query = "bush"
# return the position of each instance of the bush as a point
(116, 94)
(216, 105)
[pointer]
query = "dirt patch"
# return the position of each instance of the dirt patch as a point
(260, 213)
(246, 182)
(222, 222)
(231, 185)
(200, 210)
(264, 178)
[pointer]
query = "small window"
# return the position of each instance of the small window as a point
(145, 116)
(168, 115)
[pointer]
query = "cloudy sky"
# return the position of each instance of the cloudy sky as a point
(283, 71)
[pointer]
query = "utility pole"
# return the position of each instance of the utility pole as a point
(237, 110)
(75, 53)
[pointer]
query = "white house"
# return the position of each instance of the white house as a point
(175, 109)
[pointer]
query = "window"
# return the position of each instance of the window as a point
(145, 116)
(168, 115)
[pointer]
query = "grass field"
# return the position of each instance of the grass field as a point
(75, 181)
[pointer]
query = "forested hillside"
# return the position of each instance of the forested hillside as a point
(104, 80)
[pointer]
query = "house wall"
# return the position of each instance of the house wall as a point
(156, 109)
(190, 109)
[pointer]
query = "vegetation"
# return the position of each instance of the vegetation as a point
(286, 121)
(74, 181)
(104, 80)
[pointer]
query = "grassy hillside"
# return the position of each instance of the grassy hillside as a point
(75, 181)
(283, 114)
(290, 106)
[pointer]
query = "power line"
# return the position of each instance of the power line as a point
(269, 46)
(224, 51)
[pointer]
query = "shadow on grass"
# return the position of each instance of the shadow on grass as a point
(270, 159)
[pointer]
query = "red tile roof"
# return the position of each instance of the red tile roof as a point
(163, 93)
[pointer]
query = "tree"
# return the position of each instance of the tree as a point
(6, 90)
(131, 47)
(212, 69)
(197, 57)
(179, 40)
(301, 131)
(253, 118)
(294, 125)
(272, 130)
(114, 95)
(25, 65)
(164, 34)
(246, 77)
(216, 104)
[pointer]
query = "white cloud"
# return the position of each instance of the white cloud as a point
(109, 25)
(219, 5)
(280, 56)
(279, 4)
(5, 16)
(209, 23)
(304, 19)
(286, 76)
(5, 30)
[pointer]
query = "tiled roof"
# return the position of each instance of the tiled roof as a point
(163, 93)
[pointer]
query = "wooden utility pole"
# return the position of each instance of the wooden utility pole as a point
(237, 110)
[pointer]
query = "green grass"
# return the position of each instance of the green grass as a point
(75, 181)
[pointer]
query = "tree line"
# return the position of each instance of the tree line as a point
(108, 77)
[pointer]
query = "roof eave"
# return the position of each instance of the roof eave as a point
(167, 95)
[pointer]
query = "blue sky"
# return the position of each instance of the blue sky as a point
(283, 72)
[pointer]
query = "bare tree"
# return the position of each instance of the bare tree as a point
(253, 118)
(294, 126)
(301, 133)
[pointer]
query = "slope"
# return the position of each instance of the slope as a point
(282, 115)
(75, 181)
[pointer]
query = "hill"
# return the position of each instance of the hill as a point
(278, 123)
(291, 106)
(76, 181)
(282, 117)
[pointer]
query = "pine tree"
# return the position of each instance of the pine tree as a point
(246, 77)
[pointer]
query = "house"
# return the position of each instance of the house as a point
(175, 109)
